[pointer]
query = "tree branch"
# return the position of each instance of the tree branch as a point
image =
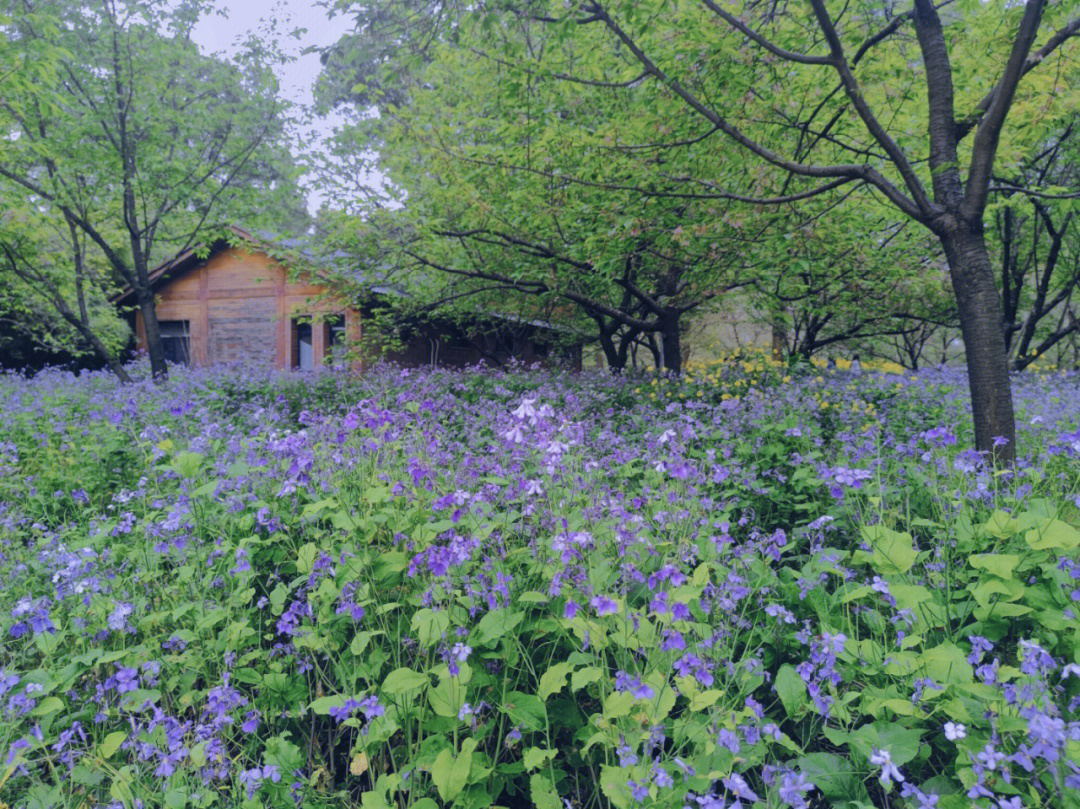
(984, 150)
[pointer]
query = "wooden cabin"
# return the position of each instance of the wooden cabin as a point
(237, 304)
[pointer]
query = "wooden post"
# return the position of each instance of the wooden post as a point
(201, 354)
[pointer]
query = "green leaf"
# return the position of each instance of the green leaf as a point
(450, 773)
(537, 757)
(525, 710)
(582, 677)
(901, 743)
(543, 793)
(834, 776)
(791, 689)
(618, 703)
(946, 664)
(1053, 535)
(111, 743)
(1000, 564)
(553, 680)
(447, 697)
(403, 680)
(494, 625)
(1001, 525)
(430, 625)
(322, 705)
(47, 706)
(305, 558)
(893, 551)
(987, 588)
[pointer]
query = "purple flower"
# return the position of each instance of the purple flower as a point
(604, 605)
(626, 682)
(251, 780)
(793, 789)
(251, 722)
(639, 792)
(889, 771)
(738, 787)
(16, 746)
(127, 679)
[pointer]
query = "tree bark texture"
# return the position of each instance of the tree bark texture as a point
(979, 307)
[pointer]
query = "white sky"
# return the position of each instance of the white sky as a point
(215, 34)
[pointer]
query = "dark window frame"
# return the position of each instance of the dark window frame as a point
(176, 340)
(300, 326)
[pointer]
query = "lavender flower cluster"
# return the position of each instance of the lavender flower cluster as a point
(250, 588)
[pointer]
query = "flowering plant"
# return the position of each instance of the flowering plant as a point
(494, 588)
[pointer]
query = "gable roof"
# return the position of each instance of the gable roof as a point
(184, 261)
(193, 257)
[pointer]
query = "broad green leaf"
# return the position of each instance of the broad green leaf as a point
(536, 757)
(1000, 564)
(494, 625)
(792, 690)
(430, 625)
(525, 710)
(450, 773)
(542, 792)
(111, 743)
(582, 677)
(553, 680)
(1053, 535)
(893, 552)
(403, 680)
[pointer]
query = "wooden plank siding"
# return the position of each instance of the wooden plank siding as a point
(240, 307)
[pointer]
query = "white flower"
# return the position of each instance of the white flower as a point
(525, 410)
(514, 434)
(889, 772)
(954, 731)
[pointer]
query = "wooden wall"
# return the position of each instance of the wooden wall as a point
(240, 305)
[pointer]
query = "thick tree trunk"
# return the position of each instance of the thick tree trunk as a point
(616, 358)
(979, 307)
(671, 344)
(159, 369)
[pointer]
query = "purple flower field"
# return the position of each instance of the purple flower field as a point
(428, 588)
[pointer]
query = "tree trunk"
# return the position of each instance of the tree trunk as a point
(159, 369)
(671, 345)
(779, 342)
(616, 360)
(980, 313)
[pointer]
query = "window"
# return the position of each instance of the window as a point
(335, 331)
(176, 340)
(334, 340)
(303, 346)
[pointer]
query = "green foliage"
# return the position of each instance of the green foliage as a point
(401, 643)
(127, 145)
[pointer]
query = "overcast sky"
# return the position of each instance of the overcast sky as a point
(217, 34)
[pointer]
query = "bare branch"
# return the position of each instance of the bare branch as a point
(853, 171)
(783, 53)
(984, 150)
(1071, 29)
(854, 94)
